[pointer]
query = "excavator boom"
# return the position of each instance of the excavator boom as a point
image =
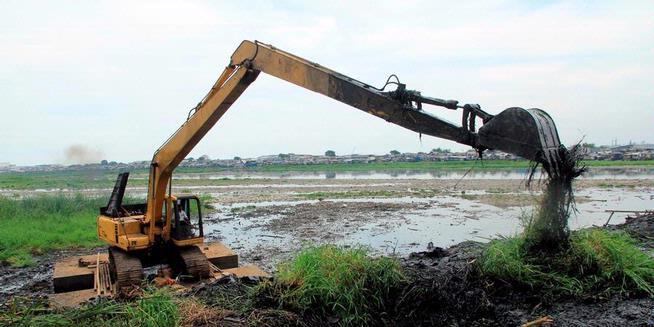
(529, 133)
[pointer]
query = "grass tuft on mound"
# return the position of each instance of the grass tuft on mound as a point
(335, 281)
(597, 262)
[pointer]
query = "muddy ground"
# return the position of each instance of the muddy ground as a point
(449, 292)
(445, 289)
(266, 221)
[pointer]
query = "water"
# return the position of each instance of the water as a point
(445, 221)
(593, 173)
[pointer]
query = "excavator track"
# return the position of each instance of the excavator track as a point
(194, 262)
(126, 270)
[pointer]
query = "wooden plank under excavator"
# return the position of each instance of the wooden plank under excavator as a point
(247, 271)
(69, 275)
(220, 255)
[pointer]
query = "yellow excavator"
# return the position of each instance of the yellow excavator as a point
(168, 228)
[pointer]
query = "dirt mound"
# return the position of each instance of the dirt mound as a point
(229, 302)
(640, 227)
(446, 289)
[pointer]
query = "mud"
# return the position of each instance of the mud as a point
(34, 281)
(446, 290)
(327, 219)
(640, 227)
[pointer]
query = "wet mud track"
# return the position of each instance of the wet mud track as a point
(34, 281)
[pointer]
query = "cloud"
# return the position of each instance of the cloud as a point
(557, 30)
(122, 74)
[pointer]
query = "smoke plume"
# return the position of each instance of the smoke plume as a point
(81, 154)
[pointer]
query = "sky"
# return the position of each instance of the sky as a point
(114, 79)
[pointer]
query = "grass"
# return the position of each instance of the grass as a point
(597, 262)
(420, 165)
(33, 225)
(86, 179)
(156, 308)
(77, 179)
(618, 163)
(36, 224)
(334, 281)
(326, 281)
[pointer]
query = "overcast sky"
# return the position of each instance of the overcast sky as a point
(117, 78)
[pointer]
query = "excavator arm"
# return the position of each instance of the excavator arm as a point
(529, 133)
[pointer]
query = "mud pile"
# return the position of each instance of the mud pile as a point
(447, 290)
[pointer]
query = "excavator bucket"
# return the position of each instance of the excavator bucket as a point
(529, 133)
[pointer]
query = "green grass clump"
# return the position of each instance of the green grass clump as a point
(597, 261)
(35, 224)
(38, 314)
(508, 260)
(156, 308)
(336, 281)
(614, 257)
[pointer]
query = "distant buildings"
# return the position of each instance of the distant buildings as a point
(624, 152)
(621, 152)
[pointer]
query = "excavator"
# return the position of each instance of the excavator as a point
(168, 228)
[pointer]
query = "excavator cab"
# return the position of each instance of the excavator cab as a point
(187, 219)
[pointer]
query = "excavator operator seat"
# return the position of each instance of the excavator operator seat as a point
(187, 218)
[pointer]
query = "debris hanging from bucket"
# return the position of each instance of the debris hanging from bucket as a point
(548, 231)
